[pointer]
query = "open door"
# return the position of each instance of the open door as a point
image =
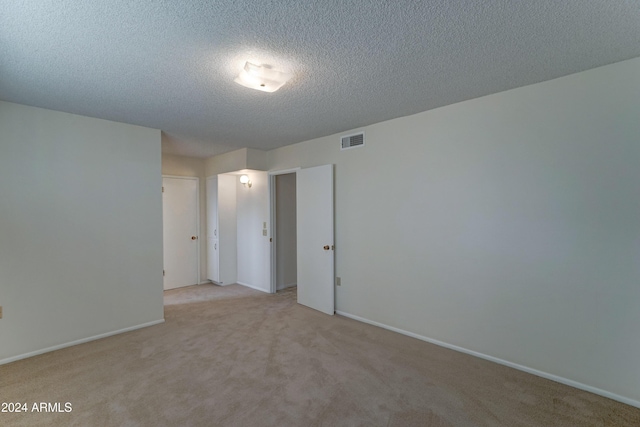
(314, 204)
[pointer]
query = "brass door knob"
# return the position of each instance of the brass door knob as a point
(194, 237)
(326, 247)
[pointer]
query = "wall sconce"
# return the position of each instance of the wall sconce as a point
(244, 180)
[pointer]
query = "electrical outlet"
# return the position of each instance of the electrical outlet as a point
(338, 281)
(264, 232)
(264, 225)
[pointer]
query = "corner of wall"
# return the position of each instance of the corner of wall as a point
(257, 159)
(227, 162)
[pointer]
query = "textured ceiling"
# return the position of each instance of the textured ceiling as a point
(170, 65)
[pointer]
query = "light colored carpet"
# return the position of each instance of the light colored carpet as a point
(233, 356)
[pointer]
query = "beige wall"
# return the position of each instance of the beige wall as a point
(80, 229)
(193, 167)
(227, 162)
(257, 159)
(233, 161)
(507, 225)
(182, 166)
(253, 247)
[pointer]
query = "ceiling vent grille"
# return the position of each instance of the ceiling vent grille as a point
(352, 141)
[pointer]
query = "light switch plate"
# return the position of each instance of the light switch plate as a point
(0, 312)
(264, 232)
(264, 225)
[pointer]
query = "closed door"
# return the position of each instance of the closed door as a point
(315, 260)
(180, 231)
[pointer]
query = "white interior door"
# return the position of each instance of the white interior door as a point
(180, 231)
(314, 205)
(213, 267)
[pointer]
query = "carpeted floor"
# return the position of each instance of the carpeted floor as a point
(233, 356)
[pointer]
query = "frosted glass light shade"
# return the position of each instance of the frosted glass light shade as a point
(261, 77)
(244, 179)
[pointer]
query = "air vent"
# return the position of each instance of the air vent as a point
(352, 141)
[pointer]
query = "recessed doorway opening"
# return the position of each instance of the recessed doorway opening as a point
(283, 231)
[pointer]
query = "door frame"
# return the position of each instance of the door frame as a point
(272, 224)
(197, 180)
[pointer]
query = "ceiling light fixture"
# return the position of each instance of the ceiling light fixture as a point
(261, 77)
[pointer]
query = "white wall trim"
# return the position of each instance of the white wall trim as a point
(536, 372)
(253, 287)
(80, 341)
(284, 171)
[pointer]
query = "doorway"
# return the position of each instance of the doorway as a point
(283, 230)
(314, 253)
(180, 221)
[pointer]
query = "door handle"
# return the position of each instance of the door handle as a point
(194, 237)
(326, 247)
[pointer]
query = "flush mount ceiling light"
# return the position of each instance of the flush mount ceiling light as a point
(261, 77)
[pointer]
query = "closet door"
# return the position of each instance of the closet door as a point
(227, 229)
(222, 229)
(180, 231)
(213, 265)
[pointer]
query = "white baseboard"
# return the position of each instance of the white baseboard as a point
(219, 283)
(80, 341)
(290, 285)
(536, 372)
(253, 287)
